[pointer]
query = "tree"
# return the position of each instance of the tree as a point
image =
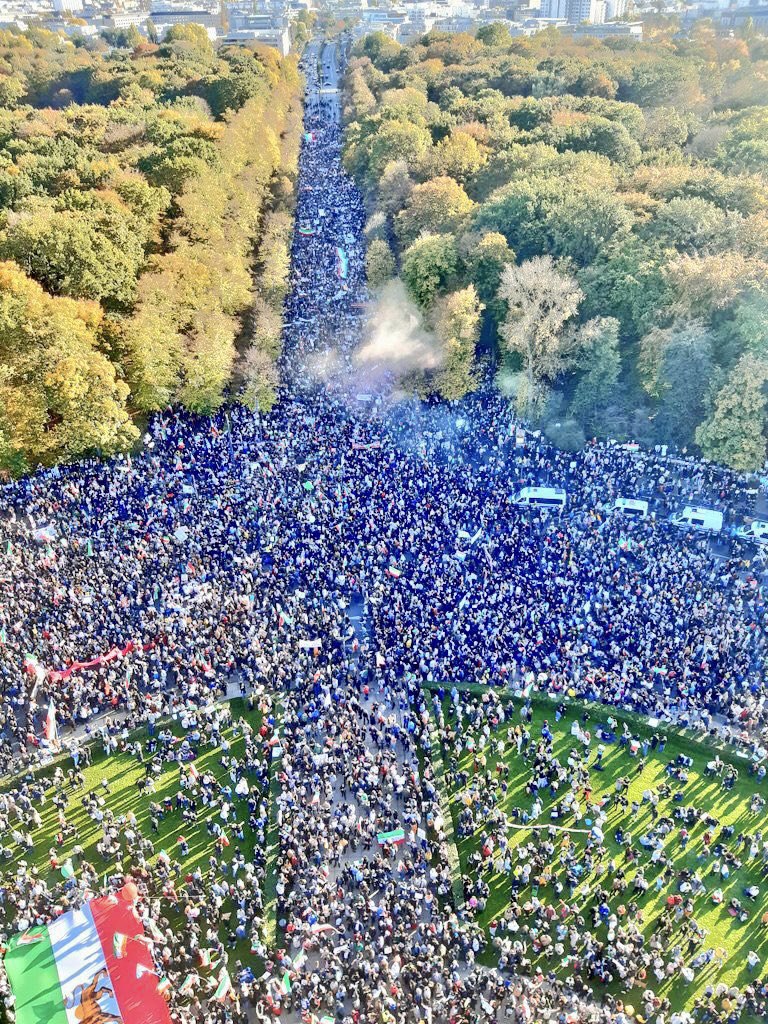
(194, 35)
(261, 380)
(627, 281)
(379, 263)
(439, 205)
(429, 267)
(691, 225)
(11, 90)
(599, 365)
(457, 325)
(585, 221)
(458, 155)
(541, 301)
(207, 361)
(484, 257)
(683, 371)
(395, 187)
(494, 35)
(60, 397)
(735, 432)
(87, 253)
(396, 140)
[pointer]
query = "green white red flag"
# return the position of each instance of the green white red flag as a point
(68, 972)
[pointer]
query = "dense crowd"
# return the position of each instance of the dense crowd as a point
(339, 553)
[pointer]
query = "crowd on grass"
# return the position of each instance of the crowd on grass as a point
(339, 554)
(612, 881)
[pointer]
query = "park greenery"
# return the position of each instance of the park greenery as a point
(597, 210)
(118, 783)
(554, 860)
(146, 200)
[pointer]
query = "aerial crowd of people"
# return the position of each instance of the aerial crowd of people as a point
(329, 560)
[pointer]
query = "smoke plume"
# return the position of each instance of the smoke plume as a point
(396, 339)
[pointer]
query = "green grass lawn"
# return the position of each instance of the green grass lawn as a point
(484, 792)
(122, 771)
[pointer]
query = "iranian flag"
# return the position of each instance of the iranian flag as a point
(224, 987)
(68, 972)
(50, 728)
(396, 836)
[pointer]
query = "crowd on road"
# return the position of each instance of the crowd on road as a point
(339, 553)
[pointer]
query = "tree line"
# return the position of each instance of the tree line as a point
(146, 200)
(588, 217)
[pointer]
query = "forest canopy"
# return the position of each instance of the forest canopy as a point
(139, 188)
(608, 204)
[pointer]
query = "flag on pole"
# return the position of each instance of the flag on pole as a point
(224, 988)
(285, 984)
(120, 945)
(187, 986)
(164, 986)
(154, 931)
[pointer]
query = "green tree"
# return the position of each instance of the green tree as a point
(691, 225)
(458, 155)
(457, 325)
(439, 205)
(11, 90)
(585, 222)
(599, 366)
(90, 254)
(684, 373)
(735, 432)
(194, 35)
(395, 187)
(627, 281)
(395, 140)
(484, 256)
(429, 266)
(494, 35)
(379, 263)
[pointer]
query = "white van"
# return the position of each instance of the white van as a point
(756, 531)
(633, 508)
(542, 497)
(695, 518)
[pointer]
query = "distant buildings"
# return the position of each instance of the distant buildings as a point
(574, 11)
(738, 17)
(245, 25)
(67, 6)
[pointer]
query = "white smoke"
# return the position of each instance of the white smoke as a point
(396, 340)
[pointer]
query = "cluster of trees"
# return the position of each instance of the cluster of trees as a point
(146, 204)
(598, 211)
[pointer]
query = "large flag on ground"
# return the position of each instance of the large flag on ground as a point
(50, 728)
(68, 973)
(342, 263)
